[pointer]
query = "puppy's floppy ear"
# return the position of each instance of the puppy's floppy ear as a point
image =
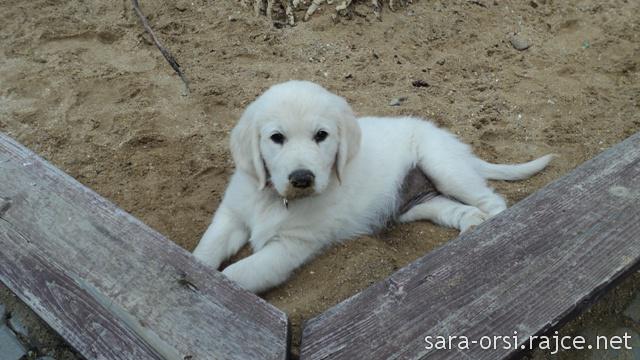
(349, 135)
(245, 146)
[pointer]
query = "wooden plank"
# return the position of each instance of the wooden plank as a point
(525, 270)
(110, 285)
(62, 301)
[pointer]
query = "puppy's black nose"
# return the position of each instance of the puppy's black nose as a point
(301, 178)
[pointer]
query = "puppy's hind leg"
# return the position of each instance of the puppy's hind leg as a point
(446, 212)
(460, 181)
(452, 167)
(474, 192)
(224, 237)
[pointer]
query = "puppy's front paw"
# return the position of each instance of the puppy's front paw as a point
(473, 219)
(242, 274)
(206, 258)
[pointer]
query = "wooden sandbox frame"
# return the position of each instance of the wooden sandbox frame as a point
(115, 289)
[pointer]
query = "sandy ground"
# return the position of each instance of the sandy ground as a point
(82, 86)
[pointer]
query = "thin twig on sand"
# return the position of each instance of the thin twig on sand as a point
(167, 55)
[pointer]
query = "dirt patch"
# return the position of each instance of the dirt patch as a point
(83, 86)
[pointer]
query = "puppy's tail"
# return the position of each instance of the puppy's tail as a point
(512, 171)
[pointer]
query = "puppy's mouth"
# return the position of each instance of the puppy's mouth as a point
(292, 193)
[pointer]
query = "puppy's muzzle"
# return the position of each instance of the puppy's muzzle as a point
(302, 179)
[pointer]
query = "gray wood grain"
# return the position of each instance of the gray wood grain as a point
(526, 270)
(110, 285)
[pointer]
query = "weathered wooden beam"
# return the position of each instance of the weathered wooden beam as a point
(525, 270)
(110, 285)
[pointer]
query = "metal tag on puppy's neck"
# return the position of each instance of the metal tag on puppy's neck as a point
(285, 202)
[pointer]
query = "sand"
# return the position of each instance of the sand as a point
(82, 85)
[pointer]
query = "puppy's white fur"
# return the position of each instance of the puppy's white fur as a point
(359, 169)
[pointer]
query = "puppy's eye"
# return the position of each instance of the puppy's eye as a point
(320, 136)
(277, 138)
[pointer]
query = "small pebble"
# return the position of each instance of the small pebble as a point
(420, 83)
(633, 310)
(440, 62)
(397, 101)
(18, 327)
(519, 43)
(479, 3)
(181, 5)
(232, 18)
(11, 348)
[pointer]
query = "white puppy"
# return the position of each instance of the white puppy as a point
(309, 174)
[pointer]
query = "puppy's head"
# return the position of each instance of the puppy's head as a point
(294, 135)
